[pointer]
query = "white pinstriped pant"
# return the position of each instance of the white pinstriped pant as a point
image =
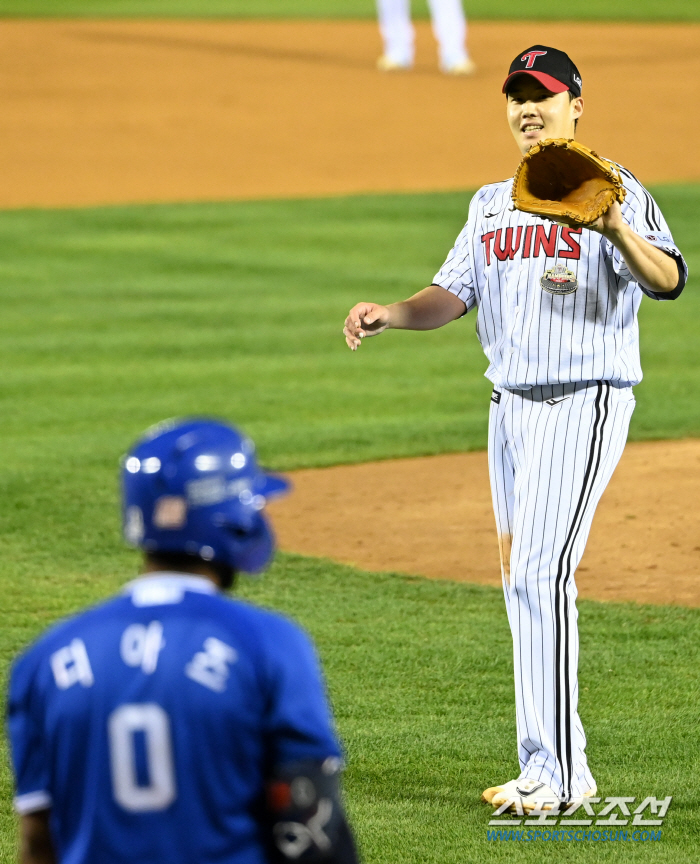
(449, 27)
(549, 465)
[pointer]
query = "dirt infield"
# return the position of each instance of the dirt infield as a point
(433, 517)
(106, 112)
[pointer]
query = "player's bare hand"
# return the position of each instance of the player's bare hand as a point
(609, 224)
(364, 319)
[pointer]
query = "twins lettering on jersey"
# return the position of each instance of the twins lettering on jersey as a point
(140, 647)
(512, 268)
(532, 241)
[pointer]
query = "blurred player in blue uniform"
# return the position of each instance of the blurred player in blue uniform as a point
(171, 724)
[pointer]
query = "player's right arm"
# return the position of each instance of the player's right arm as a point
(429, 309)
(30, 761)
(451, 295)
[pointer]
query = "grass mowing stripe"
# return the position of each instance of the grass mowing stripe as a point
(593, 10)
(420, 675)
(669, 349)
(114, 318)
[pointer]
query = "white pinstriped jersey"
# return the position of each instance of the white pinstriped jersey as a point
(533, 337)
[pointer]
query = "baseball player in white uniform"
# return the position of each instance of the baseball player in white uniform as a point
(449, 27)
(556, 314)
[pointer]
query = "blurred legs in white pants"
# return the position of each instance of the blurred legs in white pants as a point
(397, 31)
(449, 27)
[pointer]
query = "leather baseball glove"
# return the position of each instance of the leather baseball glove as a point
(561, 179)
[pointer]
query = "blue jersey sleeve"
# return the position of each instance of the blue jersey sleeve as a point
(29, 756)
(298, 723)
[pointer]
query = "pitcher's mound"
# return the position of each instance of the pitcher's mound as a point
(432, 516)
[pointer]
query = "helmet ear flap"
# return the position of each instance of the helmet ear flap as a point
(252, 549)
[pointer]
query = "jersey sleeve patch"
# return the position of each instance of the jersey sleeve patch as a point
(659, 238)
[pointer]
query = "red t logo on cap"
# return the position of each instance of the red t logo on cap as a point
(531, 56)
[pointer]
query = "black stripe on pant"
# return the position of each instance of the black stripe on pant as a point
(563, 693)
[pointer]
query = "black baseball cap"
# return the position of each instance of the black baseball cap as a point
(552, 68)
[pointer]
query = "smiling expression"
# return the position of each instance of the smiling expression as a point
(535, 113)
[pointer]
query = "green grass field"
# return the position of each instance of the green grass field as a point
(114, 318)
(117, 317)
(636, 10)
(420, 675)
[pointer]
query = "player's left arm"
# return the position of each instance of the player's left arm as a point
(652, 267)
(36, 845)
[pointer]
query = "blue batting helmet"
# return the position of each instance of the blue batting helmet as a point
(194, 486)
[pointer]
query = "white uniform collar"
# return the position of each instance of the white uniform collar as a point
(157, 589)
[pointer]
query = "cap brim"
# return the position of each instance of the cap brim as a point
(552, 84)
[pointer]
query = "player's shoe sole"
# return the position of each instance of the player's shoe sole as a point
(531, 793)
(467, 67)
(388, 64)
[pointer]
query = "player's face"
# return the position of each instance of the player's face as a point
(535, 113)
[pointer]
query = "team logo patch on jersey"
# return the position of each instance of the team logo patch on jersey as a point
(559, 280)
